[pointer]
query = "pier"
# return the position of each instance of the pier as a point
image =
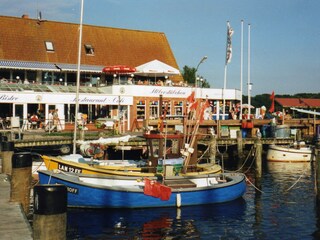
(13, 222)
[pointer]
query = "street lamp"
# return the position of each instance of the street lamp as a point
(195, 73)
(201, 80)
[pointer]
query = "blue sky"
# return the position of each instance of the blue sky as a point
(284, 35)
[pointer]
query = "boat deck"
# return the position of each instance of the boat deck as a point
(180, 183)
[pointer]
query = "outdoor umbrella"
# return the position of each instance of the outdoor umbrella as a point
(118, 69)
(246, 105)
(156, 68)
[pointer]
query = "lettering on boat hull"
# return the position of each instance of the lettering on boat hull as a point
(67, 168)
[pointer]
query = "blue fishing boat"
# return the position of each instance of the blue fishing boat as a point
(98, 191)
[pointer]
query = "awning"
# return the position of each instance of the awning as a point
(52, 67)
(156, 68)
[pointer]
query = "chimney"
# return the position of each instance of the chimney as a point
(25, 16)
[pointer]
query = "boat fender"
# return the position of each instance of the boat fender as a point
(178, 200)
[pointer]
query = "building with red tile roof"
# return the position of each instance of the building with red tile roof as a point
(298, 102)
(38, 71)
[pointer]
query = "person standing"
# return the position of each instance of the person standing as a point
(56, 120)
(49, 126)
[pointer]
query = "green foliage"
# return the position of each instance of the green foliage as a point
(188, 74)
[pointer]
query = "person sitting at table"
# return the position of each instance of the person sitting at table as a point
(159, 82)
(34, 121)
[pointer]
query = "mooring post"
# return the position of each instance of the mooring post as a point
(50, 212)
(21, 179)
(82, 134)
(6, 155)
(240, 145)
(298, 136)
(213, 148)
(258, 155)
(317, 170)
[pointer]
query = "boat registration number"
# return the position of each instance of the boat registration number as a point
(67, 168)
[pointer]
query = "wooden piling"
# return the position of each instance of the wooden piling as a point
(6, 155)
(298, 136)
(240, 148)
(213, 148)
(21, 178)
(317, 171)
(50, 212)
(258, 157)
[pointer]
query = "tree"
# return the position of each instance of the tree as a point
(188, 75)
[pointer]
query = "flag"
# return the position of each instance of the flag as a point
(191, 97)
(203, 108)
(271, 109)
(192, 106)
(229, 45)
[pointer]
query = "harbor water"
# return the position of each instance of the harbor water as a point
(282, 205)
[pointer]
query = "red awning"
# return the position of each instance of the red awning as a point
(118, 69)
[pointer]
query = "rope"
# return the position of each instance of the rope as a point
(37, 167)
(295, 182)
(247, 179)
(203, 153)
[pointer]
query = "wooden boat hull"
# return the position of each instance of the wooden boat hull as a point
(288, 154)
(97, 193)
(53, 163)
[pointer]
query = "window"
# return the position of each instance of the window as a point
(49, 46)
(89, 49)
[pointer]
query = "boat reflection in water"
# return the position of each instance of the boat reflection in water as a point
(289, 167)
(156, 223)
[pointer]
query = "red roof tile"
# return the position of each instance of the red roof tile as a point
(23, 39)
(298, 102)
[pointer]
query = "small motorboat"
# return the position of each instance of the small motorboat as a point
(101, 191)
(298, 152)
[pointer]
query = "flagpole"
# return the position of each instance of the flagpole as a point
(225, 76)
(223, 92)
(249, 81)
(241, 70)
(228, 59)
(78, 81)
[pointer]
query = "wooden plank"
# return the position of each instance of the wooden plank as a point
(13, 222)
(180, 183)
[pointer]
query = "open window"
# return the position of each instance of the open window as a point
(89, 49)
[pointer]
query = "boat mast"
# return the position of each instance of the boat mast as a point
(78, 81)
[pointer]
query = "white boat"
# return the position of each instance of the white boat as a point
(298, 152)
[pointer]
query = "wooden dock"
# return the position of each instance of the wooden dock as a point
(13, 222)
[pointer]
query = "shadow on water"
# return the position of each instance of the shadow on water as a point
(193, 222)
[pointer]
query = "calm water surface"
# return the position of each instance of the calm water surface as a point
(284, 207)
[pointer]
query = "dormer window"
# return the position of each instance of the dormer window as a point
(89, 49)
(49, 46)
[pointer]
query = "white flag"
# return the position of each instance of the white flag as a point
(229, 45)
